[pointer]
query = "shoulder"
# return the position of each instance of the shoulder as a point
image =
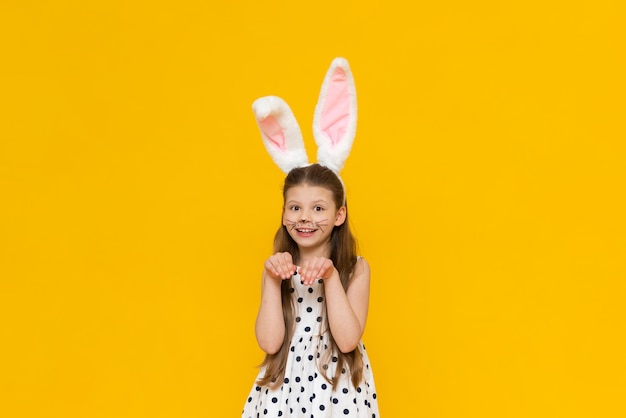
(361, 269)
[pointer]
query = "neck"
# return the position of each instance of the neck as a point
(308, 253)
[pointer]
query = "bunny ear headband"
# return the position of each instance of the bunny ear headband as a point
(334, 123)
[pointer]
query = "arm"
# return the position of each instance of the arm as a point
(347, 310)
(270, 325)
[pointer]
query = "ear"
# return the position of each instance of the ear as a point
(341, 216)
(280, 132)
(334, 122)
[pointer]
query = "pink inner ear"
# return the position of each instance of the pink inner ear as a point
(336, 111)
(271, 128)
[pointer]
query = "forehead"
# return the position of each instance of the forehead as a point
(304, 193)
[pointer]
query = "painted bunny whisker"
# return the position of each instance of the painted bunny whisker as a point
(318, 225)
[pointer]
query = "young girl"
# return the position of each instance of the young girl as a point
(315, 290)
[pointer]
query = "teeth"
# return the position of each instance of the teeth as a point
(306, 230)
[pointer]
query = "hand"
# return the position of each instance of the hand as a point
(317, 268)
(280, 266)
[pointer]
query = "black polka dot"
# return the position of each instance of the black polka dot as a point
(307, 329)
(300, 300)
(309, 309)
(310, 357)
(274, 399)
(322, 407)
(345, 390)
(320, 299)
(291, 290)
(298, 319)
(310, 290)
(346, 412)
(319, 319)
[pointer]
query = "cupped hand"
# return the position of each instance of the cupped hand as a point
(280, 266)
(316, 268)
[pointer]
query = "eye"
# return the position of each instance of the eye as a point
(294, 207)
(318, 208)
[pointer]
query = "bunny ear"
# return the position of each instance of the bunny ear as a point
(280, 132)
(334, 123)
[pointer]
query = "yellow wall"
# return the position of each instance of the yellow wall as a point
(486, 185)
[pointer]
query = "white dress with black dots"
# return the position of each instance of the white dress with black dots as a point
(305, 392)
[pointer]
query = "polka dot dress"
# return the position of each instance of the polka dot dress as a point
(305, 392)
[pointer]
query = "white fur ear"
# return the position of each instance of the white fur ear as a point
(334, 122)
(280, 132)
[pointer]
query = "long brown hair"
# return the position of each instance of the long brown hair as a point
(343, 256)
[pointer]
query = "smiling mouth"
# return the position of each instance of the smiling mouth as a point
(305, 230)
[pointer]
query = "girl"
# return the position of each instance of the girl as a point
(315, 290)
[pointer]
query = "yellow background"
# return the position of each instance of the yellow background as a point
(486, 186)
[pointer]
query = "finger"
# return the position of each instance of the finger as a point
(278, 266)
(304, 268)
(312, 272)
(287, 263)
(288, 266)
(283, 268)
(324, 266)
(271, 269)
(306, 272)
(317, 271)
